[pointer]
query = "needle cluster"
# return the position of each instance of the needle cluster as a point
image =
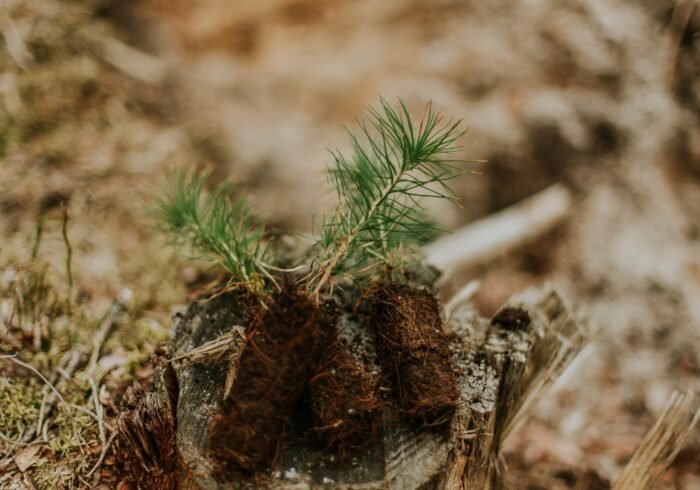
(395, 163)
(215, 225)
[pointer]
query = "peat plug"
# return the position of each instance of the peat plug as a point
(415, 353)
(343, 399)
(281, 350)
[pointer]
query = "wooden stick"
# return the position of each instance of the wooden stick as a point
(661, 444)
(494, 235)
(461, 297)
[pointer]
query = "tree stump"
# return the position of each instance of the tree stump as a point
(503, 366)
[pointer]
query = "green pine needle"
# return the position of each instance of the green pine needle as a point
(395, 164)
(215, 225)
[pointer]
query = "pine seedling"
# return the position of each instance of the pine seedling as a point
(215, 225)
(395, 163)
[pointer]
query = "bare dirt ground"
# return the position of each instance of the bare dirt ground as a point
(97, 98)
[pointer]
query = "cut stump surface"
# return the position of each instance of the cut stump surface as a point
(501, 372)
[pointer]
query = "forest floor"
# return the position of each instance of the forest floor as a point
(98, 99)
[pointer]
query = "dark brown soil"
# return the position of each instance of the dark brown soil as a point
(415, 353)
(343, 399)
(282, 348)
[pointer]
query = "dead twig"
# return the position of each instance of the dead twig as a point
(103, 454)
(69, 258)
(135, 63)
(49, 398)
(99, 411)
(105, 328)
(461, 297)
(214, 349)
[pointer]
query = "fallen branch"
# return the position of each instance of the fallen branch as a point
(499, 233)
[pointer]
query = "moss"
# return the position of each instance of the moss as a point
(20, 400)
(33, 294)
(64, 107)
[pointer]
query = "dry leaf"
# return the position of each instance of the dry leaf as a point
(26, 457)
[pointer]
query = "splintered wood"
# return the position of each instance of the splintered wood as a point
(145, 447)
(504, 368)
(661, 444)
(503, 365)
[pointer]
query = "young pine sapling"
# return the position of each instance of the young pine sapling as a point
(372, 237)
(291, 339)
(216, 225)
(394, 165)
(284, 331)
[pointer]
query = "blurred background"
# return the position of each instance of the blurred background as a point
(98, 98)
